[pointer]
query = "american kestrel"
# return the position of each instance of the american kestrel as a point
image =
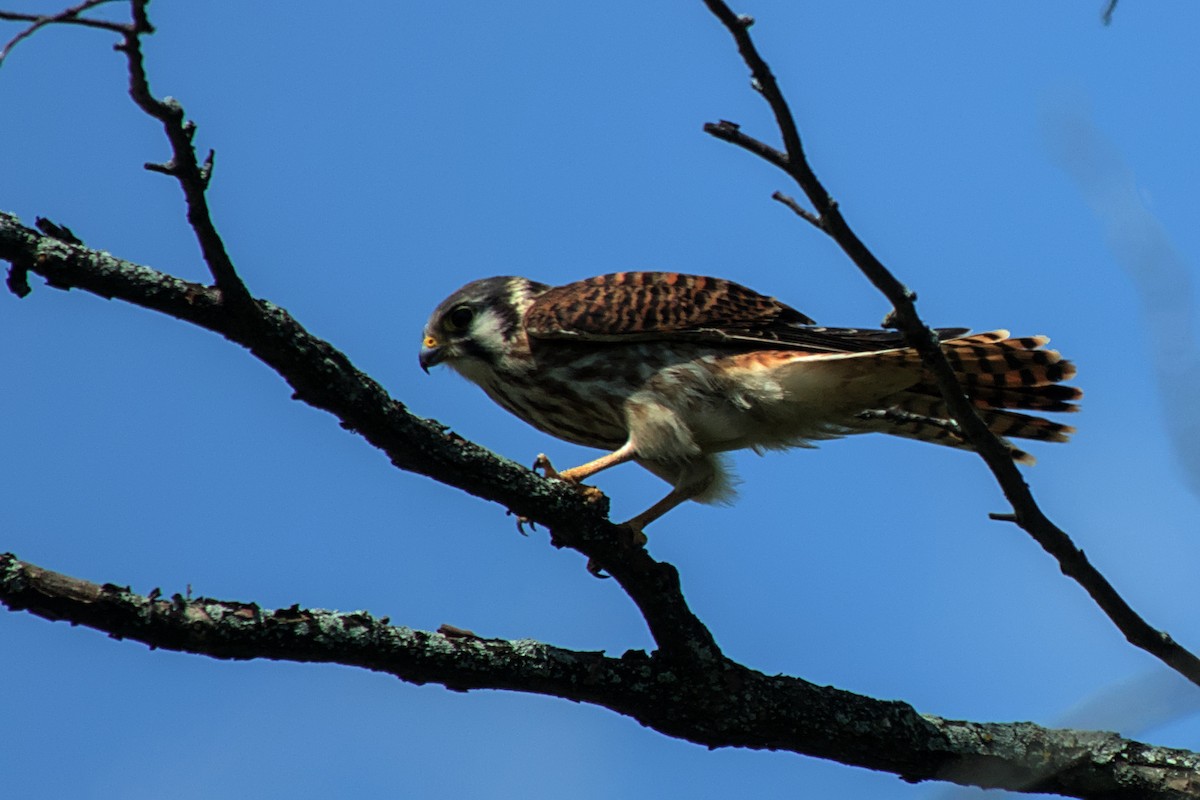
(673, 370)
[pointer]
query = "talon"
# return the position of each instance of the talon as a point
(522, 521)
(596, 570)
(542, 465)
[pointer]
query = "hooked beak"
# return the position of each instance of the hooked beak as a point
(431, 353)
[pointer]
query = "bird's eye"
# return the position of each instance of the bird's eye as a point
(459, 318)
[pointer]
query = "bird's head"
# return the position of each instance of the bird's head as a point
(478, 326)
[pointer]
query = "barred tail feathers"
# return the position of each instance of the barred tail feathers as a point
(999, 373)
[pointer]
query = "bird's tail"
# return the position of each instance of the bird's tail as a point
(999, 373)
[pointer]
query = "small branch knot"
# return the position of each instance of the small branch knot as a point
(172, 106)
(206, 168)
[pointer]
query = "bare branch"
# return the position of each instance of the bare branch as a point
(184, 166)
(1028, 514)
(1109, 9)
(799, 210)
(192, 175)
(68, 17)
(324, 377)
(716, 703)
(732, 132)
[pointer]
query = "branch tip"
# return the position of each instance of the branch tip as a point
(206, 168)
(18, 280)
(799, 210)
(1107, 16)
(167, 168)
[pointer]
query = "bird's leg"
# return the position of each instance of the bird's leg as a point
(622, 454)
(636, 524)
(574, 475)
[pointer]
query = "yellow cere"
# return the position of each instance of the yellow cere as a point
(429, 342)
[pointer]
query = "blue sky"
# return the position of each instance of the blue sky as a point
(371, 160)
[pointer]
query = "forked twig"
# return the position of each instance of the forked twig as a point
(70, 16)
(192, 174)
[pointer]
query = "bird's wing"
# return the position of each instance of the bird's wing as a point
(630, 306)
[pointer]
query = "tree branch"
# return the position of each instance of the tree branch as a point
(192, 174)
(70, 16)
(716, 703)
(687, 688)
(184, 166)
(325, 378)
(1110, 8)
(828, 218)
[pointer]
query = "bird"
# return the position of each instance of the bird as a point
(672, 371)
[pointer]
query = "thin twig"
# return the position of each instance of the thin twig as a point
(1109, 10)
(732, 132)
(1028, 514)
(193, 177)
(800, 211)
(68, 17)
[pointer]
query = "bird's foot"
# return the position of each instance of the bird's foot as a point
(543, 467)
